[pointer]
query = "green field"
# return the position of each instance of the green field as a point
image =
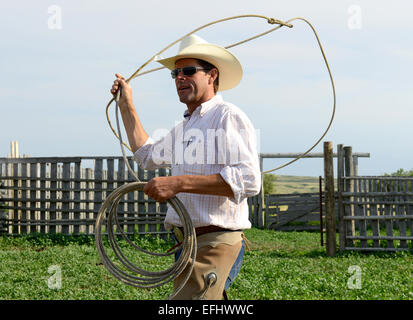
(279, 265)
(296, 184)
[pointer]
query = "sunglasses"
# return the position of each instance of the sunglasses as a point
(186, 71)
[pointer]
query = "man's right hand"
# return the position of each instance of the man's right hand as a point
(125, 99)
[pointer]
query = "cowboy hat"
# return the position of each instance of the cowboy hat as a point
(193, 46)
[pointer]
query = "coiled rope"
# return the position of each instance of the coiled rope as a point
(151, 279)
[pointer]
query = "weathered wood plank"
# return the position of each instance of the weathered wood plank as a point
(121, 181)
(24, 199)
(331, 244)
(349, 187)
(89, 199)
(389, 222)
(359, 211)
(16, 195)
(98, 175)
(53, 195)
(131, 198)
(66, 197)
(76, 197)
(401, 211)
(43, 200)
(375, 226)
(340, 189)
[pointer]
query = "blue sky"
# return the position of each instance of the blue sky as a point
(55, 82)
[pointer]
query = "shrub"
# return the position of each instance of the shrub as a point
(269, 180)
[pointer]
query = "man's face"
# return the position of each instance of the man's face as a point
(191, 89)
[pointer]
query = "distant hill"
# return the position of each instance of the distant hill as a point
(296, 184)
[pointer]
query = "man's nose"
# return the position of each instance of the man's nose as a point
(180, 75)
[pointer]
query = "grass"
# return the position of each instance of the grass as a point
(279, 265)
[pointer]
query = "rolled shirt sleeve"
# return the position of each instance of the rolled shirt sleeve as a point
(242, 170)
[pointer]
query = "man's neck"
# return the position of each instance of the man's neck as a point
(192, 106)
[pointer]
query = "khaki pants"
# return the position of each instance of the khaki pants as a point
(217, 253)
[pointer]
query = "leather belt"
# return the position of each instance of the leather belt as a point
(207, 229)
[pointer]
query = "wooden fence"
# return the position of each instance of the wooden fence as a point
(374, 213)
(60, 195)
(378, 213)
(64, 195)
(298, 212)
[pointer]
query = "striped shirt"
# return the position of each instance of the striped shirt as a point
(217, 138)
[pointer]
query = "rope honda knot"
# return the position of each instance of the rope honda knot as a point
(276, 21)
(271, 21)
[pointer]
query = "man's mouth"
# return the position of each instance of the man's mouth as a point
(183, 88)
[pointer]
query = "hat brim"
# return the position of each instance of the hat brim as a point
(230, 69)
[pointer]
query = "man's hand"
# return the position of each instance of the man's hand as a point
(162, 188)
(125, 99)
(134, 129)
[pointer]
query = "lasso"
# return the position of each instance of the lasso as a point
(151, 279)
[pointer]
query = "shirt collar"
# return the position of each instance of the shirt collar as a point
(204, 107)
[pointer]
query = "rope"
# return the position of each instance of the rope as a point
(270, 21)
(150, 279)
(147, 279)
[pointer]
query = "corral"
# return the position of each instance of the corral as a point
(60, 195)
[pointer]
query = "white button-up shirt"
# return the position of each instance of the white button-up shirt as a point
(217, 138)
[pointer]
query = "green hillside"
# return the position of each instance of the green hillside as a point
(296, 184)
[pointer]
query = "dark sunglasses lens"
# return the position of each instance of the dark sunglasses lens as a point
(174, 73)
(188, 71)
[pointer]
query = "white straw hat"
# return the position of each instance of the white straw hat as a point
(230, 69)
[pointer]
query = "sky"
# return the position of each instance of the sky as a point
(58, 60)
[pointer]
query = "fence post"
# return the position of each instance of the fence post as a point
(331, 243)
(340, 189)
(261, 212)
(355, 165)
(349, 187)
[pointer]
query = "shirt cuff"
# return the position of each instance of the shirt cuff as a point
(233, 177)
(141, 155)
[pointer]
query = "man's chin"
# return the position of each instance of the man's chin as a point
(184, 99)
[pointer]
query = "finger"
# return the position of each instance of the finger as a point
(119, 76)
(114, 89)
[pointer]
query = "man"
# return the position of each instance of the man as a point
(214, 160)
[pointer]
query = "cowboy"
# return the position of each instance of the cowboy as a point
(214, 161)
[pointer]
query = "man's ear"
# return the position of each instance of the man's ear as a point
(214, 75)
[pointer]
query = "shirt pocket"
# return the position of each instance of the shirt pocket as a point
(194, 157)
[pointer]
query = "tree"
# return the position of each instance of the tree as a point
(268, 183)
(401, 173)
